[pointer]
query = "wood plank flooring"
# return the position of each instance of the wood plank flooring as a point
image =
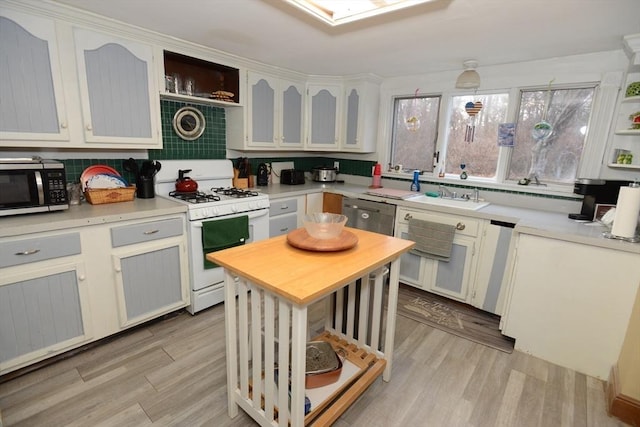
(172, 373)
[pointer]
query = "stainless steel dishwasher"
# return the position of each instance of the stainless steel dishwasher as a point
(368, 215)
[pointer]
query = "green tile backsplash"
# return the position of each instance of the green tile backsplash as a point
(211, 145)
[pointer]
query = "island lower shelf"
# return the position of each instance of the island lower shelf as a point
(360, 370)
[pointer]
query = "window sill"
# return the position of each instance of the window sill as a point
(549, 190)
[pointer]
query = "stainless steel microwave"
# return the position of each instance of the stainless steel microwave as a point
(30, 185)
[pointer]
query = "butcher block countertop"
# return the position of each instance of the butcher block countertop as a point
(303, 276)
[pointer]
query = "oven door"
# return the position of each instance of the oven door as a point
(201, 277)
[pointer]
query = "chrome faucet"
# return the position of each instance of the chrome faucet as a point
(445, 192)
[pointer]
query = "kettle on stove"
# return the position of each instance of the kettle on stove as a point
(262, 175)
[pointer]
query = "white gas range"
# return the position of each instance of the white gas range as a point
(214, 199)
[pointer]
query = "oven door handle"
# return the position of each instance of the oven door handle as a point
(251, 215)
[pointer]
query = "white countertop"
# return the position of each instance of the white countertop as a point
(87, 214)
(527, 221)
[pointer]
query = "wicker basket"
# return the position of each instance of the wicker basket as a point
(99, 196)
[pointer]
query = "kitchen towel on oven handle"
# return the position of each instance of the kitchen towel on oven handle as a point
(222, 234)
(433, 239)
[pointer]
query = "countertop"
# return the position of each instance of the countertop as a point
(309, 275)
(87, 214)
(552, 225)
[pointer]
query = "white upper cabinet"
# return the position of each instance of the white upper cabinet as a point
(118, 92)
(324, 110)
(274, 112)
(31, 100)
(361, 117)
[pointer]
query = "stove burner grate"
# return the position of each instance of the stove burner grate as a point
(234, 192)
(195, 196)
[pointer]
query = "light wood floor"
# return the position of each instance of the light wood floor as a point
(172, 373)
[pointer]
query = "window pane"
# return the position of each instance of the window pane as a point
(555, 158)
(480, 155)
(415, 129)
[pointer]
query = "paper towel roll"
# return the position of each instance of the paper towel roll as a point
(627, 209)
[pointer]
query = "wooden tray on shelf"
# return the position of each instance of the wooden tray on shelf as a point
(360, 369)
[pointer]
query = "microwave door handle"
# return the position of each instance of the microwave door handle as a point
(39, 187)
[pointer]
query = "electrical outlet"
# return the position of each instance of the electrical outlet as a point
(336, 164)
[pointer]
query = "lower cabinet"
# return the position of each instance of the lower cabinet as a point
(61, 290)
(44, 301)
(285, 215)
(454, 278)
(149, 262)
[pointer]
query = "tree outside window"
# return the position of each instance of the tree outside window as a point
(554, 159)
(415, 131)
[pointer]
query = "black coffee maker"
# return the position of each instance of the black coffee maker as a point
(595, 191)
(262, 175)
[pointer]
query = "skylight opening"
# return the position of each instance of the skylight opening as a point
(336, 12)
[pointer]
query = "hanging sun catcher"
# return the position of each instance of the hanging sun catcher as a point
(472, 109)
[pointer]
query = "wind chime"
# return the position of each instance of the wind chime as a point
(412, 117)
(472, 109)
(543, 129)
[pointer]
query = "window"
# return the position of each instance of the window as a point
(551, 154)
(480, 155)
(415, 132)
(555, 157)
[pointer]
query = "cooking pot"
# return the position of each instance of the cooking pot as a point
(324, 174)
(184, 184)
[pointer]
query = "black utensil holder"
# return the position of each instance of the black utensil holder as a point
(144, 188)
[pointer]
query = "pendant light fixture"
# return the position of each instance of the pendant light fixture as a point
(469, 79)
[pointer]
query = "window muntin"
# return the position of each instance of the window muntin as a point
(480, 155)
(415, 132)
(555, 159)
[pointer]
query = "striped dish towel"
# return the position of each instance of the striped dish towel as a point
(433, 239)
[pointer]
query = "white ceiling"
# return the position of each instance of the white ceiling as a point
(436, 36)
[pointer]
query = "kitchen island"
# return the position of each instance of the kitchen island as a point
(276, 283)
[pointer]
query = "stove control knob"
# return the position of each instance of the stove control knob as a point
(234, 209)
(214, 212)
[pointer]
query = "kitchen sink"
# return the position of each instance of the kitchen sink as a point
(452, 203)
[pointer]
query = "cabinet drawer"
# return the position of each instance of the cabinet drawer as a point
(282, 225)
(145, 232)
(283, 207)
(39, 249)
(466, 226)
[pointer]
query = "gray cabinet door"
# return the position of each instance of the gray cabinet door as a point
(323, 118)
(151, 281)
(120, 100)
(292, 116)
(262, 112)
(353, 103)
(38, 313)
(31, 100)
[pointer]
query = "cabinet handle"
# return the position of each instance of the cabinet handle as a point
(407, 217)
(89, 127)
(81, 277)
(146, 233)
(460, 226)
(283, 207)
(28, 252)
(284, 229)
(63, 125)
